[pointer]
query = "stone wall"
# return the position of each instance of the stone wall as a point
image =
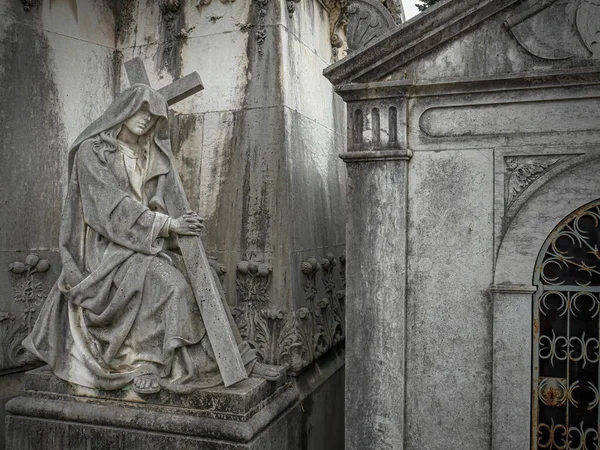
(58, 72)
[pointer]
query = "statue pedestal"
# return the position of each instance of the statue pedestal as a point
(54, 415)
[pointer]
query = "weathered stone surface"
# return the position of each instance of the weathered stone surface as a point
(39, 118)
(377, 214)
(503, 131)
(182, 88)
(521, 242)
(219, 41)
(239, 402)
(449, 241)
(367, 21)
(288, 417)
(10, 386)
(136, 72)
(511, 400)
(461, 37)
(24, 284)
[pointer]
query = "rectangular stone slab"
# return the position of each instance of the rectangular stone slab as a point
(239, 402)
(56, 415)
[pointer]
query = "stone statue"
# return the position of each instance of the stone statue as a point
(122, 312)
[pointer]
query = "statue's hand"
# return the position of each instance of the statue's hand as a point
(190, 224)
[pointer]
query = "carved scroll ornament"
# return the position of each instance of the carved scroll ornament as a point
(522, 171)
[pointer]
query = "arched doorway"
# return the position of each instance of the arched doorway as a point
(566, 333)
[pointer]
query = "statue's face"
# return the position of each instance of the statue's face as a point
(141, 122)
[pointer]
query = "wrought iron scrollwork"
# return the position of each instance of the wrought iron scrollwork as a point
(566, 357)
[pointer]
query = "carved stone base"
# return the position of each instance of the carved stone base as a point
(249, 415)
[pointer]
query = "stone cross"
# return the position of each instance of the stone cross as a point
(216, 319)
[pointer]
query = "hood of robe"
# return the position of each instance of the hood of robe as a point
(121, 109)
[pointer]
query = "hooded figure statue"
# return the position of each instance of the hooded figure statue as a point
(122, 310)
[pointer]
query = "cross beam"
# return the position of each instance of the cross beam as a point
(214, 315)
(174, 92)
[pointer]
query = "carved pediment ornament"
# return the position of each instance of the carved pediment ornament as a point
(521, 172)
(367, 20)
(556, 30)
(370, 19)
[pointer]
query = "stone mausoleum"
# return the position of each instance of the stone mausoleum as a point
(437, 287)
(473, 156)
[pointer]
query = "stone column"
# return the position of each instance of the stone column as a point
(376, 299)
(376, 225)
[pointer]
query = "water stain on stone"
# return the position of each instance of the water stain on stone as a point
(32, 140)
(124, 14)
(173, 36)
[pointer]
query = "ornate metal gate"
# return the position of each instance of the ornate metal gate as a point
(566, 346)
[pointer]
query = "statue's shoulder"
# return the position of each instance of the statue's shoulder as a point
(88, 151)
(87, 146)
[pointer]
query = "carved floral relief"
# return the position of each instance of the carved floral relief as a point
(291, 338)
(31, 293)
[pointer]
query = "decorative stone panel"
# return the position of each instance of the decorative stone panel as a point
(292, 338)
(30, 284)
(378, 124)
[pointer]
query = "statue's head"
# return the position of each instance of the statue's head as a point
(141, 121)
(140, 109)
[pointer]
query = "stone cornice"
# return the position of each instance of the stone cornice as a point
(516, 81)
(412, 39)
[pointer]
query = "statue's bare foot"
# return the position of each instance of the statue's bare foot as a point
(146, 383)
(266, 371)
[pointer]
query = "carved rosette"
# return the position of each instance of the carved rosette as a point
(522, 171)
(290, 338)
(29, 292)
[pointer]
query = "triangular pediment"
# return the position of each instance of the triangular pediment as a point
(480, 39)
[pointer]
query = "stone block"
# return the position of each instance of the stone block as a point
(253, 415)
(238, 417)
(302, 74)
(309, 24)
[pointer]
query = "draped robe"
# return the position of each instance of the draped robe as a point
(122, 305)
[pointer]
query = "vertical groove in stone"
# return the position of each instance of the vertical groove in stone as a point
(376, 126)
(393, 125)
(358, 126)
